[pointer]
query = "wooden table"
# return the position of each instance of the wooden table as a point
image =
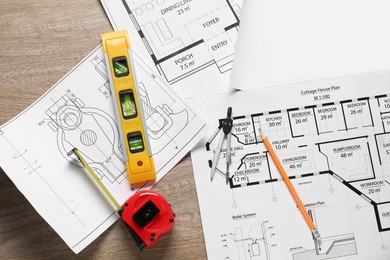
(40, 42)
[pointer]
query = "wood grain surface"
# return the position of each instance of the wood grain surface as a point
(40, 42)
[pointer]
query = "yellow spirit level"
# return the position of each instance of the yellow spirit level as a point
(140, 165)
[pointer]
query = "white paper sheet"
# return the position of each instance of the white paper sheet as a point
(283, 42)
(333, 138)
(189, 43)
(78, 112)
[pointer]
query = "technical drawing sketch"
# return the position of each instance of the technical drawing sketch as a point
(383, 141)
(100, 66)
(77, 112)
(331, 246)
(159, 120)
(165, 117)
(350, 159)
(335, 151)
(88, 129)
(253, 245)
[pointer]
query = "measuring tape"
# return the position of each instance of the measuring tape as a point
(147, 214)
(140, 165)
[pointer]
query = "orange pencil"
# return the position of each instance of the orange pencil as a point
(293, 192)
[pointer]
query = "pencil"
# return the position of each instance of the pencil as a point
(291, 188)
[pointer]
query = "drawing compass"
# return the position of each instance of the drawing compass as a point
(226, 125)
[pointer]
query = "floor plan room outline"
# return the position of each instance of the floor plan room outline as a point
(198, 41)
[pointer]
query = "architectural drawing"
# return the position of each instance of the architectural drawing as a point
(331, 246)
(190, 44)
(333, 139)
(181, 40)
(296, 134)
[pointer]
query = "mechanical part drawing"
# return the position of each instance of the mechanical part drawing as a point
(164, 123)
(90, 130)
(100, 66)
(76, 112)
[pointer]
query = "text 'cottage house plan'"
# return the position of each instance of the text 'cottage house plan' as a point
(333, 139)
(182, 38)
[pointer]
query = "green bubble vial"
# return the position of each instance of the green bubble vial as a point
(128, 104)
(136, 143)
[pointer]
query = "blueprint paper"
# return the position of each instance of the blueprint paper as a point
(333, 139)
(189, 43)
(282, 42)
(78, 112)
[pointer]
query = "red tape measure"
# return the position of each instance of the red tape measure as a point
(148, 215)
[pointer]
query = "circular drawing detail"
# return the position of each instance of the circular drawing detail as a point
(71, 120)
(138, 11)
(149, 6)
(88, 137)
(68, 118)
(159, 2)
